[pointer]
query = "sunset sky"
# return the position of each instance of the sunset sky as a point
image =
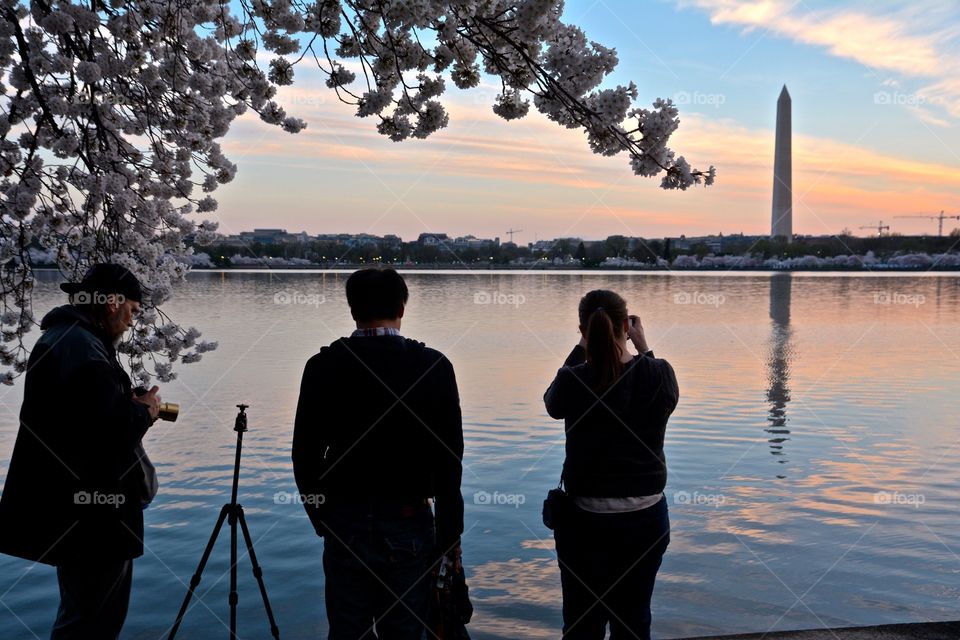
(876, 108)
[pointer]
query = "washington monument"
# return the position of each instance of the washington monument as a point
(782, 219)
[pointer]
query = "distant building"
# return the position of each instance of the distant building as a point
(473, 242)
(264, 236)
(542, 246)
(713, 243)
(560, 244)
(363, 240)
(734, 243)
(336, 238)
(432, 239)
(294, 238)
(360, 240)
(392, 242)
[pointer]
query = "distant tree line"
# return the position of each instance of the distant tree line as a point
(589, 253)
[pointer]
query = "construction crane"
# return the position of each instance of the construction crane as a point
(940, 218)
(879, 227)
(513, 231)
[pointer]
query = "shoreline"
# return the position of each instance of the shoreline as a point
(909, 631)
(571, 268)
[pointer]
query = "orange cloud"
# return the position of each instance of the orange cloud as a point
(483, 166)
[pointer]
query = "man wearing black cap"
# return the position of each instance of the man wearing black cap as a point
(74, 492)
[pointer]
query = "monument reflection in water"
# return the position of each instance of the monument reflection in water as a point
(778, 364)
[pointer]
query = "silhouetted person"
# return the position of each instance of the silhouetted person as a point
(378, 433)
(612, 538)
(74, 492)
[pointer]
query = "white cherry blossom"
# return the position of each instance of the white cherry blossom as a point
(110, 119)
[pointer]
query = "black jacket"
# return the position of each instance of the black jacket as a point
(614, 439)
(73, 487)
(379, 420)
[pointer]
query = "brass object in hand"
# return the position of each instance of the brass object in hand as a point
(169, 411)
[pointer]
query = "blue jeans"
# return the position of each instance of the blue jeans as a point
(377, 562)
(608, 565)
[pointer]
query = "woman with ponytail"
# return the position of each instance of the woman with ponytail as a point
(611, 539)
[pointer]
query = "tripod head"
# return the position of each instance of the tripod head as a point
(240, 425)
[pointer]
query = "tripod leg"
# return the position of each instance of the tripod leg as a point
(195, 580)
(258, 573)
(234, 595)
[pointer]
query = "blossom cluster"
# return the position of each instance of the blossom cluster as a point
(109, 128)
(111, 116)
(405, 49)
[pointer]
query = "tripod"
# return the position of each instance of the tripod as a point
(233, 513)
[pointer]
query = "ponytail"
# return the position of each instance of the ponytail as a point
(603, 351)
(602, 314)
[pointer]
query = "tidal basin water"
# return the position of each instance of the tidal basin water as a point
(814, 466)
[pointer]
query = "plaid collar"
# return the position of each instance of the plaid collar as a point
(375, 331)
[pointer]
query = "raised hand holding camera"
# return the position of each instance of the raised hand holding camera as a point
(636, 334)
(149, 398)
(168, 411)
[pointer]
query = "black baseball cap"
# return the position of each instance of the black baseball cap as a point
(107, 279)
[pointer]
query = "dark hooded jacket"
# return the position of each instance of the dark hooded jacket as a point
(615, 438)
(73, 489)
(379, 419)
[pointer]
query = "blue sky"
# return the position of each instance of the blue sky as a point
(876, 103)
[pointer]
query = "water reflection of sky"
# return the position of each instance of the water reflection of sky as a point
(816, 413)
